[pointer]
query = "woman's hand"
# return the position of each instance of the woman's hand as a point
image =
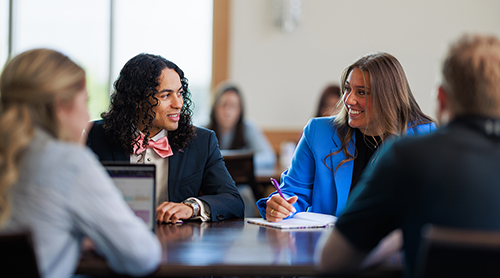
(279, 208)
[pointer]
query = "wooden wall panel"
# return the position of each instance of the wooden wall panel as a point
(220, 44)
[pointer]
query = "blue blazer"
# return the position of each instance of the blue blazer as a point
(321, 189)
(196, 171)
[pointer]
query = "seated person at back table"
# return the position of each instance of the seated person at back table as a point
(149, 121)
(235, 132)
(50, 183)
(446, 178)
(327, 105)
(333, 151)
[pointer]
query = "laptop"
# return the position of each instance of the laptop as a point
(137, 182)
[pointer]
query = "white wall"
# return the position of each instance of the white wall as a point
(282, 74)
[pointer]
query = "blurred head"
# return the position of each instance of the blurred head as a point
(471, 77)
(39, 88)
(228, 108)
(328, 102)
(228, 113)
(150, 94)
(376, 95)
(48, 89)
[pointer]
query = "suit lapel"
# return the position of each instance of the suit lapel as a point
(175, 165)
(118, 154)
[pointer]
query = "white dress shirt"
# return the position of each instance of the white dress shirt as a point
(149, 156)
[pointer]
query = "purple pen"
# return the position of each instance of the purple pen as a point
(277, 186)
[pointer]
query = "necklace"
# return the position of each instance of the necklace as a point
(372, 142)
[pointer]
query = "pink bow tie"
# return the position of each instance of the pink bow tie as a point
(161, 147)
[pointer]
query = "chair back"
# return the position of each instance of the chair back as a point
(17, 255)
(239, 163)
(453, 252)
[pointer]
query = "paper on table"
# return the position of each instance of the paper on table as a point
(301, 220)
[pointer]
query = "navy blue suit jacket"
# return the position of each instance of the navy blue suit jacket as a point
(196, 171)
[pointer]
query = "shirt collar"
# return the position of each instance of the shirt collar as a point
(160, 135)
(157, 137)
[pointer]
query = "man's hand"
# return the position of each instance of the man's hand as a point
(279, 208)
(170, 211)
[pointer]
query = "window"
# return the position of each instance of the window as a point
(77, 28)
(180, 31)
(4, 32)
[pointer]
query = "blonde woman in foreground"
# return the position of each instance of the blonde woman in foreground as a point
(50, 183)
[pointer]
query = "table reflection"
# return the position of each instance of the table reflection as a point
(235, 242)
(227, 248)
(291, 246)
(173, 232)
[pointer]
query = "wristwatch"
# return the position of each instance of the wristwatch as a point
(193, 204)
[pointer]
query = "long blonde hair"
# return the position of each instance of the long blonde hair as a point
(391, 98)
(30, 85)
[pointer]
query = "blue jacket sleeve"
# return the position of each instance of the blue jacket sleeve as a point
(299, 178)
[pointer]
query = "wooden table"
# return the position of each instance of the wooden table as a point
(226, 248)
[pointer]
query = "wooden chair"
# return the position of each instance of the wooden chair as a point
(452, 252)
(17, 255)
(239, 163)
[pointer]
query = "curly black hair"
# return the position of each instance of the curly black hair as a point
(137, 82)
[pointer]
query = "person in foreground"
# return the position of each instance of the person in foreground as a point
(333, 151)
(149, 121)
(446, 178)
(50, 183)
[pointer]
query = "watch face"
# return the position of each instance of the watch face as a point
(196, 208)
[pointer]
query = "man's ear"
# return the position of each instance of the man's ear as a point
(443, 106)
(442, 98)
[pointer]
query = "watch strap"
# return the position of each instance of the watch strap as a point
(194, 205)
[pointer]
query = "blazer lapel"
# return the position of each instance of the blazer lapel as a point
(175, 165)
(343, 175)
(118, 154)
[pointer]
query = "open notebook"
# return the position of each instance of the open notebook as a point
(301, 220)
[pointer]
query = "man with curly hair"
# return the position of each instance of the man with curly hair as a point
(149, 121)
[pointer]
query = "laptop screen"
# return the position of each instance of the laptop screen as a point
(138, 186)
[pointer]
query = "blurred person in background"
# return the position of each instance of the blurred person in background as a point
(328, 101)
(235, 131)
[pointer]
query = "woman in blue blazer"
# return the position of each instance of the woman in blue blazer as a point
(377, 103)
